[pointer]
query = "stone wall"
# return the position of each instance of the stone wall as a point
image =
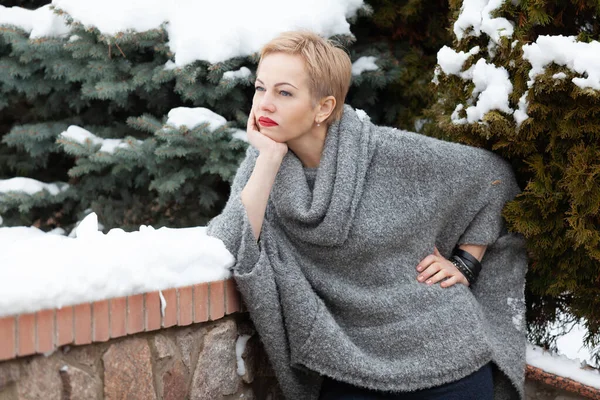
(535, 390)
(178, 343)
(194, 362)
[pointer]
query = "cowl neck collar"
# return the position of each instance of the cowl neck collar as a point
(324, 216)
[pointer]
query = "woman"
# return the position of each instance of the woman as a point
(355, 245)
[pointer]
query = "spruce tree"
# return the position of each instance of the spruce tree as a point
(90, 111)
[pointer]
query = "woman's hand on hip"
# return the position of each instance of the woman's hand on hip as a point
(265, 145)
(435, 268)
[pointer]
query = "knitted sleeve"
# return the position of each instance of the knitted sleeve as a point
(499, 187)
(232, 225)
(256, 282)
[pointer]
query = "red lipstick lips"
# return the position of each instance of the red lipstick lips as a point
(264, 121)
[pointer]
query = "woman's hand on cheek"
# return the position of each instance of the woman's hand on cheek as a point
(264, 144)
(436, 267)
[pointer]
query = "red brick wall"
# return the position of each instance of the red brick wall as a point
(46, 330)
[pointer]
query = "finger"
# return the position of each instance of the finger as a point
(436, 252)
(453, 280)
(432, 269)
(426, 262)
(252, 121)
(440, 275)
(460, 278)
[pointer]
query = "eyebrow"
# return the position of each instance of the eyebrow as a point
(278, 84)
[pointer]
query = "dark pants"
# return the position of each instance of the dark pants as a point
(477, 386)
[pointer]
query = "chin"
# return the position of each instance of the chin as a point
(271, 136)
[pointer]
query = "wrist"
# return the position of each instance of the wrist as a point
(271, 159)
(466, 263)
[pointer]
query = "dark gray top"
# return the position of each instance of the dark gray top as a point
(331, 285)
(311, 176)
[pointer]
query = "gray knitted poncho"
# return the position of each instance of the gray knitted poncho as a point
(331, 285)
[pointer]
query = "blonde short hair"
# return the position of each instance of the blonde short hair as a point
(329, 67)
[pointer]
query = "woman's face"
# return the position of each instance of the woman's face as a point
(282, 95)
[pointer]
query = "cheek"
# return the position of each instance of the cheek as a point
(254, 101)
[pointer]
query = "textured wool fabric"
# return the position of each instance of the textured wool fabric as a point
(331, 284)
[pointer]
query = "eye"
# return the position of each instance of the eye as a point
(259, 88)
(284, 93)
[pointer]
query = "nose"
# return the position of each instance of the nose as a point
(265, 103)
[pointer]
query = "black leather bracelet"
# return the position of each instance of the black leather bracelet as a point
(461, 266)
(469, 258)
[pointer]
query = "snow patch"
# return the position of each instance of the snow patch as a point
(492, 84)
(518, 308)
(520, 114)
(38, 23)
(492, 89)
(170, 65)
(80, 135)
(455, 118)
(451, 62)
(241, 73)
(88, 228)
(580, 57)
(560, 75)
(240, 346)
(163, 303)
(363, 64)
(30, 186)
(420, 123)
(192, 117)
(240, 135)
(476, 14)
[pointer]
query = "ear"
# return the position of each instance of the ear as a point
(325, 108)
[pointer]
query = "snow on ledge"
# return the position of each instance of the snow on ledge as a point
(44, 270)
(561, 366)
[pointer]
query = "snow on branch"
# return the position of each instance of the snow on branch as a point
(192, 26)
(31, 186)
(38, 23)
(192, 117)
(580, 57)
(364, 64)
(477, 15)
(82, 136)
